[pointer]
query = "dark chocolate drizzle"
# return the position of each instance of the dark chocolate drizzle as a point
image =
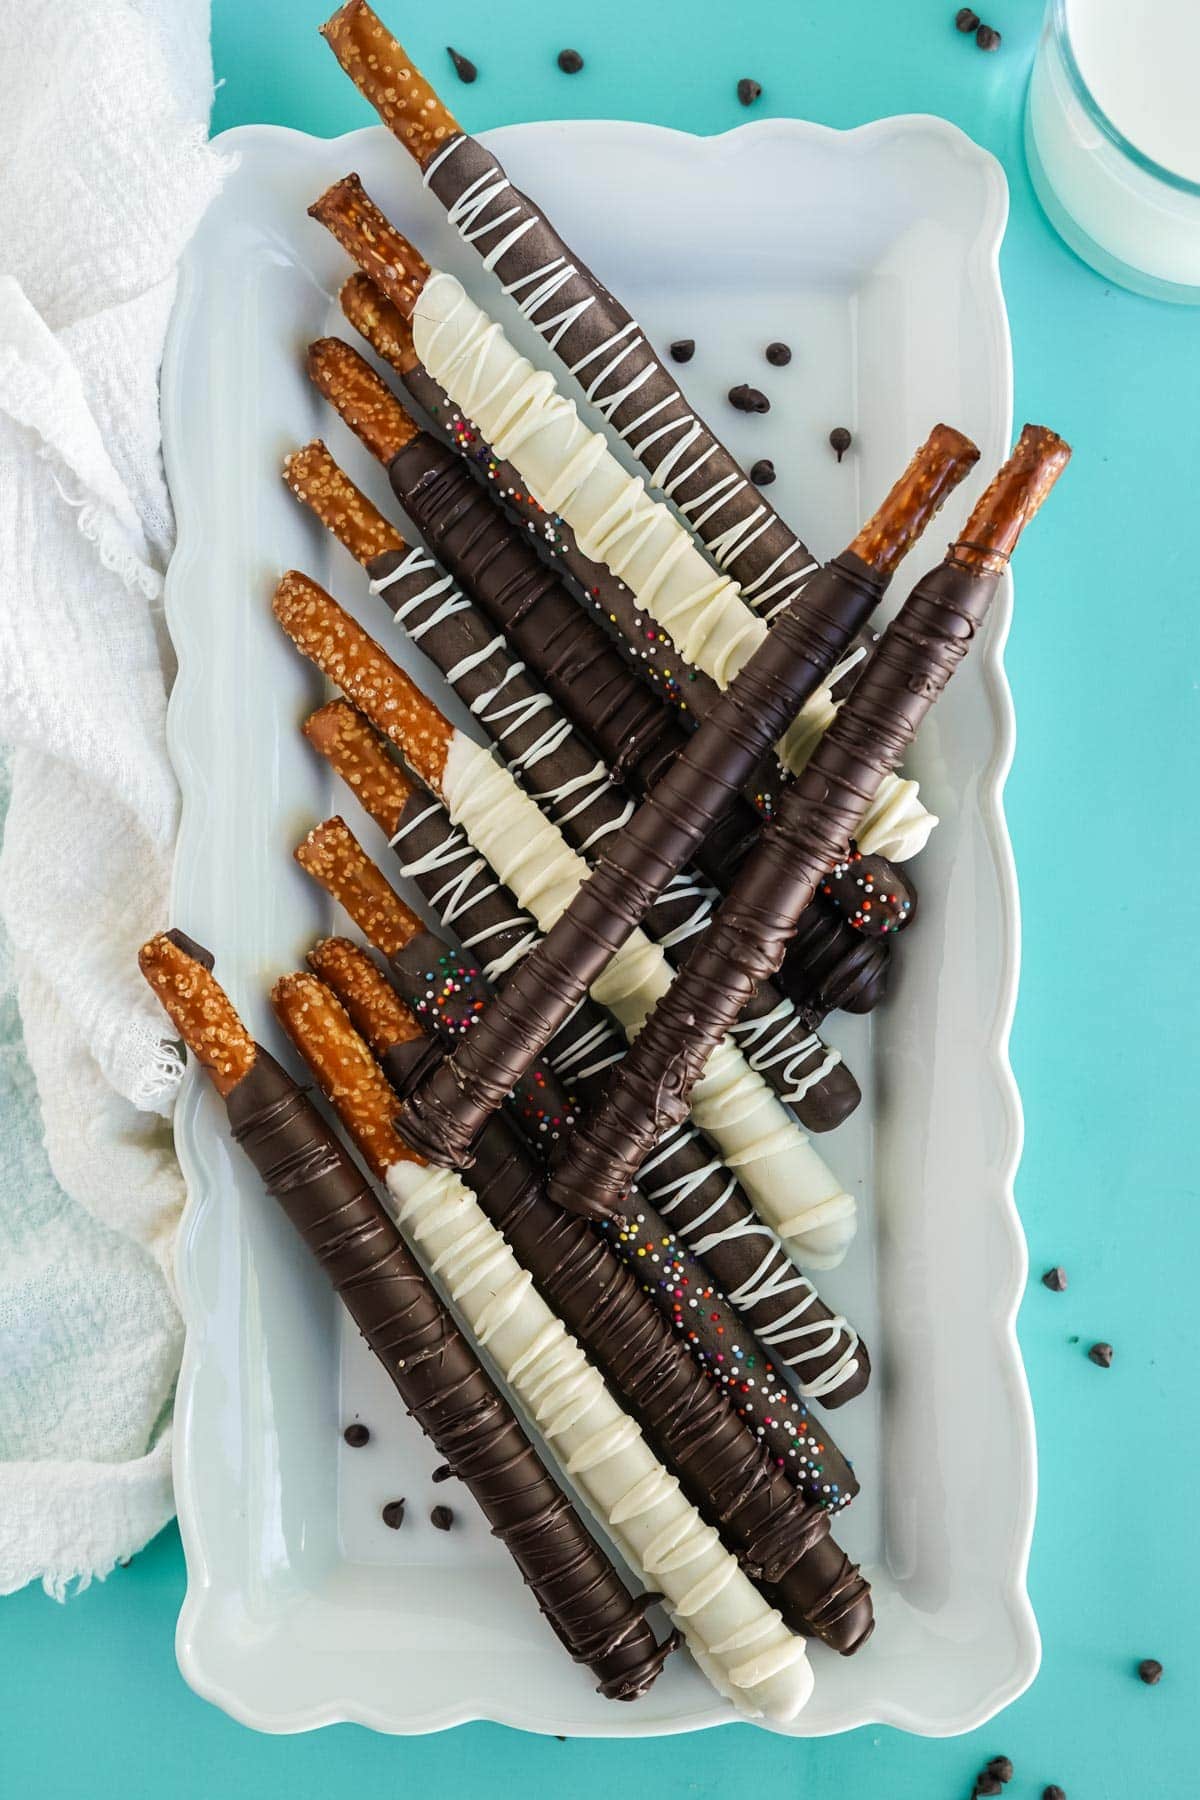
(570, 784)
(778, 1537)
(447, 990)
(746, 941)
(599, 342)
(688, 1181)
(437, 1375)
(635, 863)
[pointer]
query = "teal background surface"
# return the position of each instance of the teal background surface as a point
(1104, 660)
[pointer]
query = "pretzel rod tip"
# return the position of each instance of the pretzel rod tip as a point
(383, 325)
(361, 400)
(327, 634)
(320, 484)
(359, 755)
(384, 75)
(348, 1074)
(336, 860)
(348, 212)
(1012, 497)
(375, 1008)
(180, 973)
(942, 461)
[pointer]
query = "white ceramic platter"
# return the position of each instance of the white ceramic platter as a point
(873, 253)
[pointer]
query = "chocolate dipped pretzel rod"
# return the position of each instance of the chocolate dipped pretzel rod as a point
(572, 787)
(704, 1202)
(567, 468)
(589, 330)
(306, 1170)
(734, 1107)
(645, 644)
(915, 659)
(780, 1539)
(739, 1641)
(825, 969)
(637, 858)
(446, 992)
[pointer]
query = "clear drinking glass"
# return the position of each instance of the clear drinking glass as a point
(1131, 214)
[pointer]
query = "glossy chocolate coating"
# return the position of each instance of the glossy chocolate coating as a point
(437, 1375)
(912, 663)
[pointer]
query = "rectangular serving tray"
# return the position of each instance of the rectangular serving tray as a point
(874, 254)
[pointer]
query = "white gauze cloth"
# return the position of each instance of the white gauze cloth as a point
(105, 173)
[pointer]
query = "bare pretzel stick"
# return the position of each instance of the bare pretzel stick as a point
(350, 1077)
(374, 1008)
(333, 856)
(378, 67)
(316, 479)
(366, 404)
(341, 649)
(383, 325)
(199, 1008)
(348, 212)
(355, 752)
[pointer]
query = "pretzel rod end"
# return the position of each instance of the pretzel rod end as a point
(375, 1008)
(333, 640)
(348, 212)
(1011, 498)
(358, 754)
(943, 460)
(358, 396)
(383, 325)
(323, 486)
(343, 1067)
(384, 75)
(180, 973)
(336, 860)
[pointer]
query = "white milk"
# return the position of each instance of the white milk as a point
(1130, 208)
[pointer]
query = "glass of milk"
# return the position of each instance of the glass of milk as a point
(1112, 134)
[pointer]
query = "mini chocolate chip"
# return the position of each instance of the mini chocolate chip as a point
(442, 1517)
(1101, 1355)
(443, 1472)
(570, 62)
(1073, 1340)
(356, 1436)
(683, 349)
(1053, 1793)
(1001, 1767)
(464, 68)
(840, 440)
(748, 91)
(779, 355)
(966, 20)
(1055, 1279)
(762, 474)
(987, 37)
(749, 399)
(393, 1515)
(987, 1786)
(1150, 1671)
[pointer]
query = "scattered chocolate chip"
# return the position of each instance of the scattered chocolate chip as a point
(683, 349)
(1150, 1671)
(1101, 1355)
(1001, 1767)
(762, 473)
(1073, 1340)
(987, 1786)
(393, 1515)
(570, 62)
(748, 91)
(966, 20)
(356, 1436)
(987, 37)
(1055, 1279)
(1053, 1793)
(442, 1517)
(779, 355)
(840, 440)
(464, 68)
(749, 399)
(443, 1472)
